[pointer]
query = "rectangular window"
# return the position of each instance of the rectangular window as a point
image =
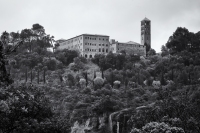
(106, 50)
(99, 44)
(85, 37)
(102, 44)
(99, 50)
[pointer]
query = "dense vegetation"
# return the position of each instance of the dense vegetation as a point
(59, 91)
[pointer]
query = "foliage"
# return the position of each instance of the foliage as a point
(182, 39)
(155, 127)
(151, 52)
(73, 89)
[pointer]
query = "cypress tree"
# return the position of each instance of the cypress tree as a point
(95, 74)
(26, 74)
(162, 80)
(86, 78)
(102, 75)
(38, 75)
(44, 76)
(112, 79)
(31, 75)
(138, 77)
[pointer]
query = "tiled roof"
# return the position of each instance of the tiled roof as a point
(131, 42)
(94, 34)
(146, 19)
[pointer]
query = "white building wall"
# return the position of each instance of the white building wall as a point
(87, 44)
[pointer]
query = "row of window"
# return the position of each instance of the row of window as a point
(95, 44)
(133, 45)
(89, 56)
(124, 49)
(90, 38)
(95, 50)
(75, 39)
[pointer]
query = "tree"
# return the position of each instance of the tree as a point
(39, 30)
(162, 80)
(155, 127)
(4, 40)
(98, 83)
(15, 36)
(147, 47)
(110, 60)
(178, 41)
(22, 108)
(66, 56)
(151, 52)
(102, 64)
(164, 51)
(120, 61)
(86, 77)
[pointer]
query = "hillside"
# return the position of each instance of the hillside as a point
(119, 93)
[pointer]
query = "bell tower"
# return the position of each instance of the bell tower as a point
(146, 33)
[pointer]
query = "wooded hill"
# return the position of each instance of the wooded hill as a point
(44, 91)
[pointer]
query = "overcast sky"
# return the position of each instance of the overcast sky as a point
(120, 19)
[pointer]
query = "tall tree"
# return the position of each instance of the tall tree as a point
(4, 75)
(179, 40)
(27, 36)
(164, 51)
(151, 52)
(38, 30)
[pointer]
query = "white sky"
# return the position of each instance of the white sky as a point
(120, 19)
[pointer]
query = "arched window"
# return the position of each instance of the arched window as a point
(90, 56)
(85, 55)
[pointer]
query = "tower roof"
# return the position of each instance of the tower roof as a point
(146, 19)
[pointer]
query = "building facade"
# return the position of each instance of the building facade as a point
(146, 33)
(129, 47)
(90, 44)
(87, 44)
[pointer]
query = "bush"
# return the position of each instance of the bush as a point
(98, 82)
